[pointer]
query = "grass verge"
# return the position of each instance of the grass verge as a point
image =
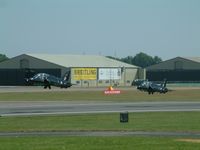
(95, 143)
(151, 121)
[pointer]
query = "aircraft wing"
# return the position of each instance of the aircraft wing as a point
(155, 87)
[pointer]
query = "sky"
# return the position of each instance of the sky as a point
(119, 28)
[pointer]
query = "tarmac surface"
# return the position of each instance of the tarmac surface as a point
(7, 89)
(63, 107)
(101, 134)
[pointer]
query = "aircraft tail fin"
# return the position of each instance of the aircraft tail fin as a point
(165, 83)
(67, 76)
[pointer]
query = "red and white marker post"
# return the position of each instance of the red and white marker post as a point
(110, 90)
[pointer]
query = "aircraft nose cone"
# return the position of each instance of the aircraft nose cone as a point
(27, 79)
(165, 90)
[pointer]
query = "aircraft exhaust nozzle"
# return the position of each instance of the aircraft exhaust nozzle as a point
(27, 80)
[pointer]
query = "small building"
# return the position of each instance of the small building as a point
(85, 70)
(181, 69)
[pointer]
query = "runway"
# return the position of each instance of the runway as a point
(63, 107)
(27, 89)
(100, 134)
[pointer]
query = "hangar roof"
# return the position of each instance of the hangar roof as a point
(195, 59)
(177, 63)
(81, 60)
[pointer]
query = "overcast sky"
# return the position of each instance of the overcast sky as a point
(166, 28)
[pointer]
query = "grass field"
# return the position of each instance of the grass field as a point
(95, 143)
(126, 95)
(151, 121)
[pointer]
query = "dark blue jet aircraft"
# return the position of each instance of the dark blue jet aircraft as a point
(137, 82)
(150, 86)
(47, 80)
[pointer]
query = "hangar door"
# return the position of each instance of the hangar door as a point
(17, 76)
(174, 75)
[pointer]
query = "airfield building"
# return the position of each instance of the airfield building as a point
(179, 69)
(85, 70)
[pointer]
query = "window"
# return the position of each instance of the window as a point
(100, 81)
(107, 81)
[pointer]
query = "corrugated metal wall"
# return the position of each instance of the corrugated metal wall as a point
(174, 75)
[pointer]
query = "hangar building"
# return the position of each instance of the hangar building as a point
(183, 69)
(85, 70)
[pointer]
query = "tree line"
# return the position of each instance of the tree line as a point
(141, 59)
(3, 57)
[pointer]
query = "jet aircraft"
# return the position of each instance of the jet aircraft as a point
(47, 80)
(151, 87)
(137, 82)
